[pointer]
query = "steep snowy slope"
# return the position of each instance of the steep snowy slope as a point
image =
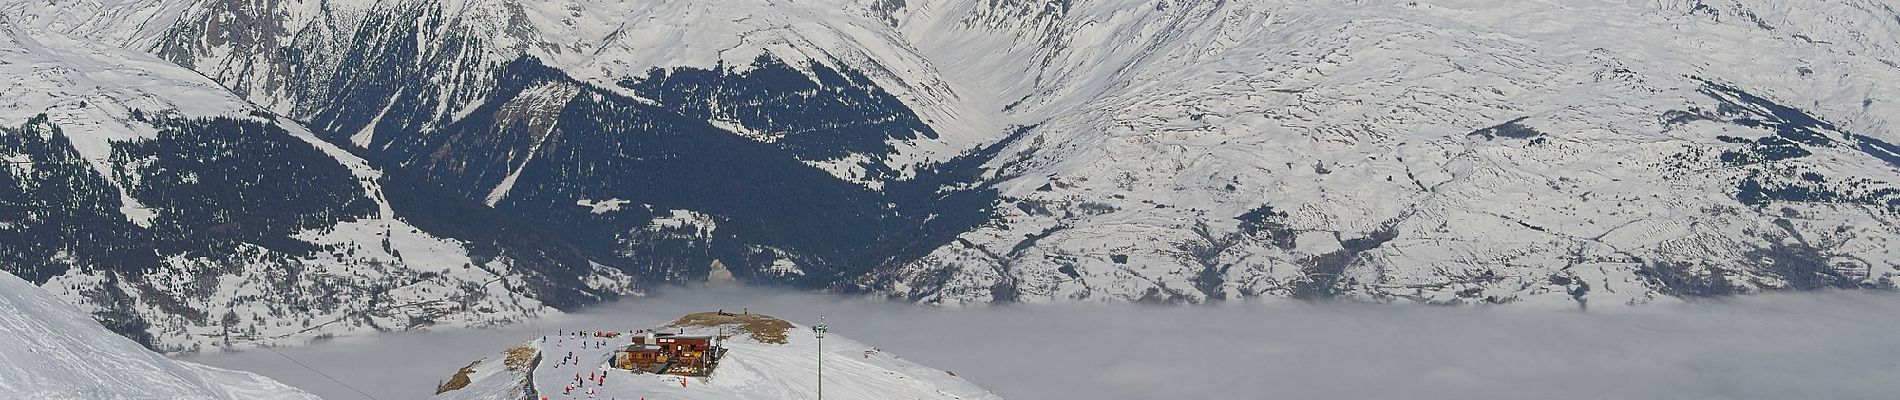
(767, 359)
(1443, 151)
(55, 351)
(183, 216)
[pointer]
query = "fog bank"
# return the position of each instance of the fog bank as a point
(1814, 346)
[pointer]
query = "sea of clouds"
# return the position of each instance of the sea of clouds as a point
(1796, 346)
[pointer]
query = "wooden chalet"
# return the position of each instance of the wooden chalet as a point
(672, 354)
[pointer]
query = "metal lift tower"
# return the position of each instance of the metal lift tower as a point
(820, 330)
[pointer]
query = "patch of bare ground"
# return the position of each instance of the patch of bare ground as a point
(763, 328)
(520, 358)
(460, 380)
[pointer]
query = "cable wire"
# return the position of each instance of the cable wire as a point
(332, 378)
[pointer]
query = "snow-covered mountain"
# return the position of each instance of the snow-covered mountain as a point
(973, 151)
(766, 358)
(185, 217)
(55, 351)
(805, 133)
(1441, 151)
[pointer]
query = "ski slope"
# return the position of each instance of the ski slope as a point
(751, 369)
(54, 351)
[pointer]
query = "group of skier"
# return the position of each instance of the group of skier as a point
(597, 379)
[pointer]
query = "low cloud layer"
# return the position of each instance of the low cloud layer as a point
(1808, 346)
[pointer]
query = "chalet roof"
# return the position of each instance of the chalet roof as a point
(705, 337)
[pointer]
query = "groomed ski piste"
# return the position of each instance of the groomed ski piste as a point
(53, 351)
(755, 366)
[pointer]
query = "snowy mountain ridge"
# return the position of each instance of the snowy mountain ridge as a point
(1557, 154)
(598, 42)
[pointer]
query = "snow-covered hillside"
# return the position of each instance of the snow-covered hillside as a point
(970, 151)
(1440, 151)
(55, 351)
(767, 359)
(186, 217)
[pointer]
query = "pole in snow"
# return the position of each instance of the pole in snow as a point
(820, 330)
